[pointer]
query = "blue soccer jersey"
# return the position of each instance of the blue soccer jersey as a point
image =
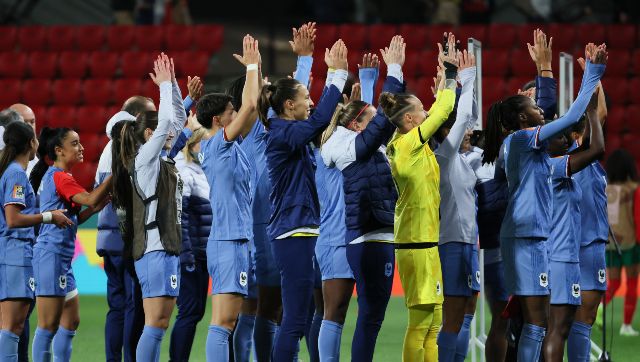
(254, 146)
(16, 190)
(332, 208)
(528, 171)
(58, 187)
(594, 218)
(229, 175)
(564, 244)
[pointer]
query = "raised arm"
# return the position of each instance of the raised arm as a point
(546, 85)
(302, 44)
(594, 70)
(602, 102)
(151, 150)
(583, 158)
(465, 118)
(368, 74)
(248, 111)
(195, 86)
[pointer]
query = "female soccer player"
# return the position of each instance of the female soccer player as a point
(293, 227)
(227, 169)
(17, 217)
(623, 206)
(56, 293)
(458, 235)
(526, 225)
(416, 227)
(352, 145)
(149, 190)
(564, 241)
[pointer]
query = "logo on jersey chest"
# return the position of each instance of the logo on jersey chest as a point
(388, 269)
(575, 290)
(602, 276)
(243, 279)
(173, 280)
(544, 280)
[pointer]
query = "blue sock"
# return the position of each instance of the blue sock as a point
(8, 346)
(462, 346)
(149, 344)
(314, 332)
(329, 341)
(264, 332)
(41, 348)
(218, 343)
(62, 344)
(579, 342)
(243, 338)
(530, 342)
(447, 346)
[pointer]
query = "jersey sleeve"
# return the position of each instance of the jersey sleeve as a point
(15, 189)
(66, 186)
(561, 167)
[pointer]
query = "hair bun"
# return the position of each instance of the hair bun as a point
(387, 100)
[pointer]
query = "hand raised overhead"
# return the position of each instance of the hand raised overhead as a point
(161, 70)
(338, 55)
(250, 51)
(395, 52)
(304, 39)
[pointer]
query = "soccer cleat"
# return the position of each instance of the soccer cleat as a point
(626, 330)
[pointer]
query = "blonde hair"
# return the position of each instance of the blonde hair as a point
(342, 116)
(195, 138)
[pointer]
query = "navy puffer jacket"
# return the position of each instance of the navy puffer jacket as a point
(196, 213)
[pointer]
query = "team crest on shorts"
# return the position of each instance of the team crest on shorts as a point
(469, 280)
(173, 279)
(62, 281)
(243, 279)
(478, 276)
(575, 290)
(602, 276)
(438, 287)
(544, 280)
(388, 269)
(32, 284)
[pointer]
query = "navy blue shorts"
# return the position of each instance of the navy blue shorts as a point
(228, 265)
(526, 266)
(564, 282)
(460, 272)
(593, 269)
(159, 274)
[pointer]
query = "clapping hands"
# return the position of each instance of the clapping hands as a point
(250, 51)
(304, 39)
(395, 52)
(451, 56)
(162, 69)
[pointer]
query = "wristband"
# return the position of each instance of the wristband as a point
(252, 67)
(546, 70)
(47, 217)
(331, 70)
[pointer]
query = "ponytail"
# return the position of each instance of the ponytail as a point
(343, 115)
(395, 106)
(274, 95)
(264, 103)
(17, 140)
(502, 119)
(49, 139)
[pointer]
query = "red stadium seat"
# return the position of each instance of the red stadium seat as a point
(192, 63)
(326, 35)
(43, 64)
(635, 62)
(421, 88)
(92, 119)
(497, 62)
(61, 38)
(103, 64)
(354, 58)
(493, 89)
(13, 64)
(178, 38)
(32, 38)
(319, 67)
(8, 37)
(208, 38)
(354, 36)
(73, 64)
(90, 37)
(515, 83)
(521, 64)
(316, 88)
(435, 35)
(564, 37)
(62, 116)
(120, 37)
(589, 33)
(634, 94)
(11, 92)
(125, 88)
(150, 38)
(380, 35)
(41, 116)
(502, 36)
(617, 89)
(36, 91)
(85, 172)
(67, 92)
(428, 63)
(415, 35)
(98, 91)
(136, 64)
(616, 118)
(621, 36)
(464, 32)
(411, 63)
(150, 89)
(619, 63)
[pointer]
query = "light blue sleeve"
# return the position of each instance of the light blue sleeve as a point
(179, 118)
(464, 117)
(187, 103)
(368, 79)
(590, 79)
(150, 151)
(303, 69)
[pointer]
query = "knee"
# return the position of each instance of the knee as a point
(228, 323)
(16, 328)
(72, 324)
